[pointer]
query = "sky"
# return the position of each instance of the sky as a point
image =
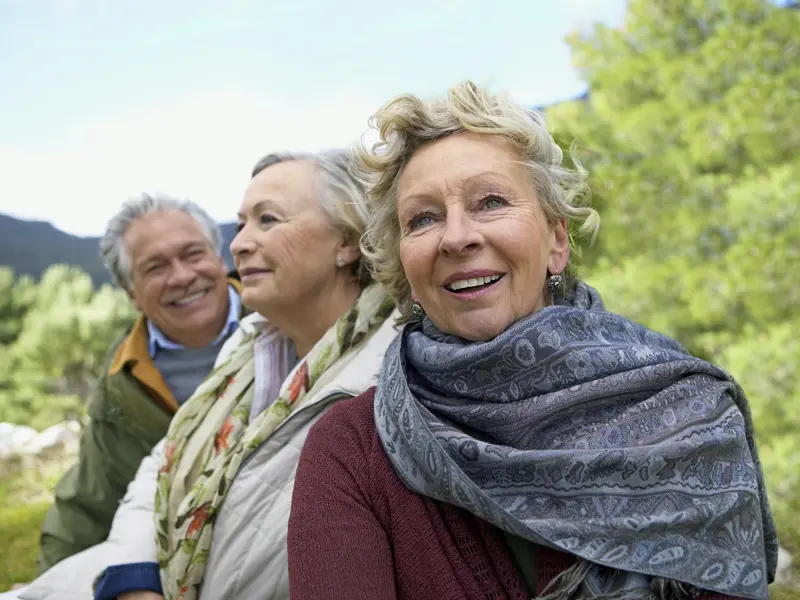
(103, 99)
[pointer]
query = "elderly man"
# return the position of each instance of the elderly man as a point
(166, 254)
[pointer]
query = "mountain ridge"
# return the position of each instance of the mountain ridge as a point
(29, 247)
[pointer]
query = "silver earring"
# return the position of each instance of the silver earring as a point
(417, 311)
(557, 288)
(339, 261)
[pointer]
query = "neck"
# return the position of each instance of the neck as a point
(305, 325)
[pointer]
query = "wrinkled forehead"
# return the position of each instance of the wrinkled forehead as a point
(289, 187)
(163, 234)
(460, 162)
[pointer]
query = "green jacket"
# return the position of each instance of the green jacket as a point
(127, 417)
(129, 412)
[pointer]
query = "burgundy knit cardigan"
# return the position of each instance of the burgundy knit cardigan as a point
(356, 532)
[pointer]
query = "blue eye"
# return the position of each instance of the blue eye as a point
(491, 202)
(421, 221)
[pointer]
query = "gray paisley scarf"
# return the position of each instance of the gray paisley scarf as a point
(583, 431)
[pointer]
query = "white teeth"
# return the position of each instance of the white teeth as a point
(475, 282)
(191, 298)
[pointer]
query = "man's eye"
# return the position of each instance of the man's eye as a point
(267, 219)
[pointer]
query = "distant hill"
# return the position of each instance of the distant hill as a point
(29, 247)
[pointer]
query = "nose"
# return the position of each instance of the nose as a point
(459, 235)
(181, 274)
(241, 243)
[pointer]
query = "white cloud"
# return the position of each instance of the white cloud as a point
(202, 148)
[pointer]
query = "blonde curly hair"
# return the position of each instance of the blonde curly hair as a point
(406, 123)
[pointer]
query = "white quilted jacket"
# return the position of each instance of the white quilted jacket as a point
(248, 556)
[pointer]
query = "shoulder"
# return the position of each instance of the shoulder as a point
(115, 348)
(343, 452)
(344, 440)
(110, 375)
(360, 367)
(348, 425)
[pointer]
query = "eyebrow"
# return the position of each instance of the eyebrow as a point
(468, 183)
(258, 206)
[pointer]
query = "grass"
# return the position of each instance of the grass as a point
(20, 530)
(25, 496)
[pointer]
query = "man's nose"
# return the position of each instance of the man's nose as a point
(181, 274)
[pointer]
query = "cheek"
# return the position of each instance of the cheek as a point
(415, 256)
(526, 242)
(148, 294)
(303, 247)
(211, 269)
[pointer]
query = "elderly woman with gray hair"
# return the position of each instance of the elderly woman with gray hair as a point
(207, 514)
(521, 441)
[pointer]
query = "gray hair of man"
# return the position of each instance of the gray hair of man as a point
(341, 196)
(112, 245)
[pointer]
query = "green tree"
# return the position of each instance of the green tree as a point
(16, 296)
(690, 136)
(63, 339)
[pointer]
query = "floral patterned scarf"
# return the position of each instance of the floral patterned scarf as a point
(211, 436)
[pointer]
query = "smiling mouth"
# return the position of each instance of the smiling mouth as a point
(189, 299)
(471, 285)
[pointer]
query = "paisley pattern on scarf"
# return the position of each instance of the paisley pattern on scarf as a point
(211, 435)
(581, 430)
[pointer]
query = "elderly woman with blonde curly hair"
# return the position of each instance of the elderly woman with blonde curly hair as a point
(521, 441)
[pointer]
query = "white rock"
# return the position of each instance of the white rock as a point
(13, 438)
(783, 573)
(19, 440)
(55, 436)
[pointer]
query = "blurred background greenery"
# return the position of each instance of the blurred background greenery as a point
(690, 133)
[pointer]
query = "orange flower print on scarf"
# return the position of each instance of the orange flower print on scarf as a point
(169, 452)
(299, 384)
(199, 517)
(221, 440)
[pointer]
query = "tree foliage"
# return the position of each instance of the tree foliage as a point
(55, 336)
(690, 136)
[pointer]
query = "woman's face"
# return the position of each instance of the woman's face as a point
(286, 249)
(475, 244)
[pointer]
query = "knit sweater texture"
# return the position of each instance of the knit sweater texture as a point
(357, 532)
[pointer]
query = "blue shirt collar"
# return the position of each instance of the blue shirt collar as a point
(156, 339)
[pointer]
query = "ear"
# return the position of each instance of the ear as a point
(132, 298)
(348, 251)
(559, 253)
